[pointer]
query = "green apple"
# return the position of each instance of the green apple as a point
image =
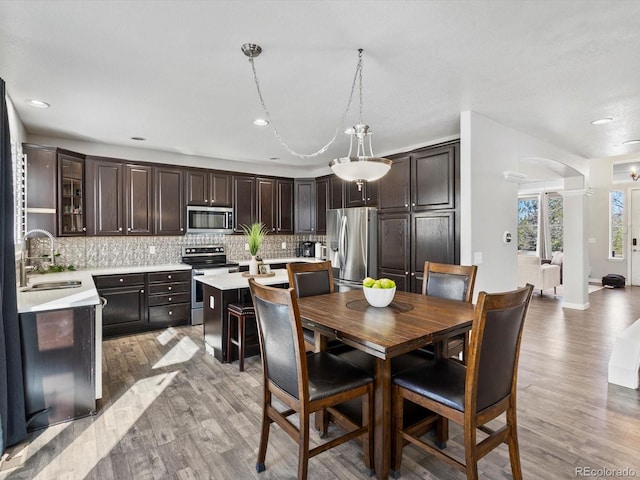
(376, 284)
(368, 282)
(387, 283)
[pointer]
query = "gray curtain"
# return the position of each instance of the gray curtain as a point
(12, 411)
(545, 230)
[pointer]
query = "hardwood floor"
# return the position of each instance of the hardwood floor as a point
(171, 411)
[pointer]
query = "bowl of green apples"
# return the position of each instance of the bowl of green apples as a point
(379, 293)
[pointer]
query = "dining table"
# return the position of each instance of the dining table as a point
(409, 322)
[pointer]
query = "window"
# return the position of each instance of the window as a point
(555, 221)
(616, 211)
(528, 224)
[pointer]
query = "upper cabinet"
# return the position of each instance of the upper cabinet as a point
(336, 192)
(365, 196)
(305, 202)
(285, 207)
(71, 206)
(322, 204)
(206, 187)
(119, 198)
(169, 214)
(422, 180)
(244, 201)
(274, 205)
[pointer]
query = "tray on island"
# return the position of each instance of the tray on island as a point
(258, 275)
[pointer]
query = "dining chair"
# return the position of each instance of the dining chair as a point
(473, 394)
(453, 282)
(309, 279)
(304, 383)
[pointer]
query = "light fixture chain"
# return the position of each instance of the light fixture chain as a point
(340, 123)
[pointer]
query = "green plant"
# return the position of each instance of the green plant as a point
(255, 235)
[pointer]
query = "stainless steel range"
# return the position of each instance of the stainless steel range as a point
(206, 260)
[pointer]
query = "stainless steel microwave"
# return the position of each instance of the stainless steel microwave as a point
(209, 219)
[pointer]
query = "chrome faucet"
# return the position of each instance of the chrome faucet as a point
(23, 255)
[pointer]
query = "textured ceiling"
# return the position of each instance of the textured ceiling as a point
(173, 72)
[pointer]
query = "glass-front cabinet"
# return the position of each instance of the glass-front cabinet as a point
(71, 208)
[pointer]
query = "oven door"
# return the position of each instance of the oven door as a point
(197, 295)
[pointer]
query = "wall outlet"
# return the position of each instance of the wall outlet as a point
(152, 250)
(246, 247)
(284, 245)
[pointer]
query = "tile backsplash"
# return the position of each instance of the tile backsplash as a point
(105, 252)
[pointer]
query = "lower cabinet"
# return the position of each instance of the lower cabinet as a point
(138, 302)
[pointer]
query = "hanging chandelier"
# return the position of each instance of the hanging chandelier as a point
(361, 166)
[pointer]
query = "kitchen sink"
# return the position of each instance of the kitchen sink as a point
(54, 285)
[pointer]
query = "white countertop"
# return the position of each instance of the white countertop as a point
(86, 294)
(270, 261)
(231, 281)
(39, 301)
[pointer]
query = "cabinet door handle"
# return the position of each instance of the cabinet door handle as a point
(120, 229)
(413, 274)
(84, 229)
(181, 229)
(406, 273)
(206, 201)
(169, 277)
(121, 280)
(128, 229)
(141, 291)
(169, 288)
(406, 204)
(170, 298)
(170, 312)
(413, 204)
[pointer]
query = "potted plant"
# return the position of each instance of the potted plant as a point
(254, 235)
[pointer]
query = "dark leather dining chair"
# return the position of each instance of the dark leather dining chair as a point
(304, 383)
(454, 282)
(470, 395)
(309, 279)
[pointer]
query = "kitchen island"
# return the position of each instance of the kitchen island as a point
(218, 292)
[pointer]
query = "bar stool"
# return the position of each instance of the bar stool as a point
(240, 312)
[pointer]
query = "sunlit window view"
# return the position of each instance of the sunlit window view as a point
(528, 224)
(616, 214)
(530, 217)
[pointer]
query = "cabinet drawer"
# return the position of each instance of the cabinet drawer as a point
(173, 276)
(169, 299)
(164, 288)
(170, 313)
(109, 281)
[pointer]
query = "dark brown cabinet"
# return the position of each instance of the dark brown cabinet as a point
(284, 206)
(322, 204)
(169, 298)
(244, 201)
(365, 196)
(41, 177)
(419, 214)
(336, 192)
(170, 211)
(71, 206)
(206, 187)
(125, 310)
(119, 198)
(305, 206)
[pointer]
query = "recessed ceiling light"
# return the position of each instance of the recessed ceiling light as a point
(138, 139)
(260, 122)
(602, 121)
(631, 142)
(274, 159)
(37, 103)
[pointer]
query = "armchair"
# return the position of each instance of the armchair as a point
(541, 276)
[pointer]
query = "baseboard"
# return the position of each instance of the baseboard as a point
(576, 306)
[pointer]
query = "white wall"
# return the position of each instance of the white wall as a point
(18, 132)
(489, 203)
(599, 253)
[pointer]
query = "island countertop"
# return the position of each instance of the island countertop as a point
(231, 281)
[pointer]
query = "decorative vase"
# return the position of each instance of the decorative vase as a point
(253, 265)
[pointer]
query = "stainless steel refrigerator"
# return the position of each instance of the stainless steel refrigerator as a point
(352, 239)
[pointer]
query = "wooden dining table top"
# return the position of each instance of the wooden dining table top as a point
(409, 322)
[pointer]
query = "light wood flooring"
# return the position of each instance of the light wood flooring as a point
(171, 411)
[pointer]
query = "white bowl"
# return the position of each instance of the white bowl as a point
(379, 297)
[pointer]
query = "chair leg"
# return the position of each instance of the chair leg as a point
(303, 447)
(470, 451)
(514, 450)
(241, 343)
(264, 434)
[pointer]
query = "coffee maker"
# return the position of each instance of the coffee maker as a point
(306, 249)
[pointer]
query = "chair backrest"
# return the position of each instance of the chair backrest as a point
(280, 333)
(309, 279)
(454, 282)
(496, 334)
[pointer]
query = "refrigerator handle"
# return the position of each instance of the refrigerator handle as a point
(342, 249)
